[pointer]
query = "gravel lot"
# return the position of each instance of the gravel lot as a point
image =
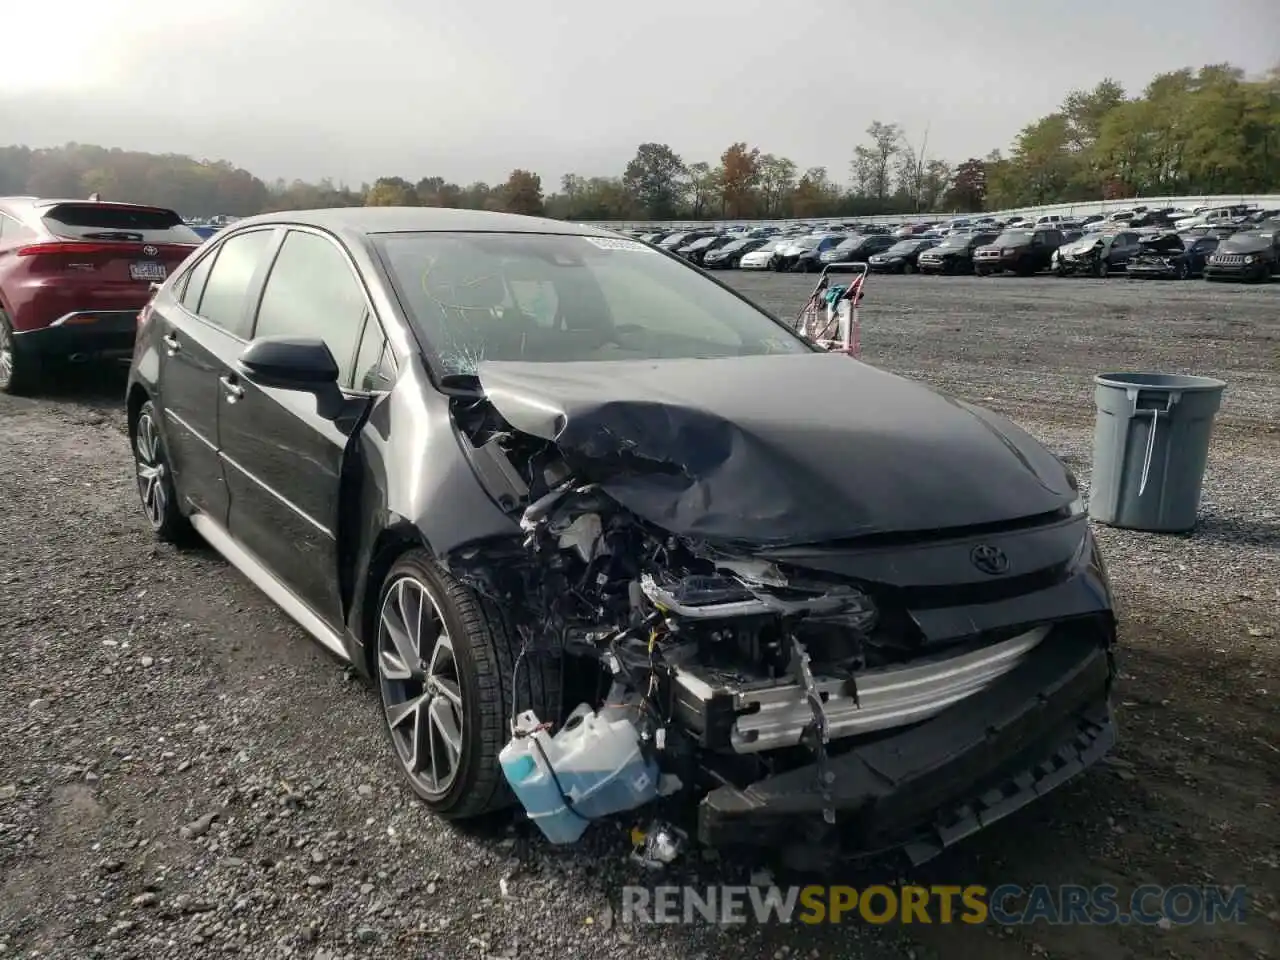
(185, 774)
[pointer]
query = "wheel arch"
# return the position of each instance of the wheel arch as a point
(391, 543)
(134, 401)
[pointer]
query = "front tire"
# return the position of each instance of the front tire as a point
(446, 663)
(19, 368)
(154, 474)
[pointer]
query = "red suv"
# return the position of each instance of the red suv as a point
(73, 276)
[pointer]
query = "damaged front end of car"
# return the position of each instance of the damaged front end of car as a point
(757, 650)
(1082, 257)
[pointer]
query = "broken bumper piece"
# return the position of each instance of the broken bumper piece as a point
(747, 720)
(931, 785)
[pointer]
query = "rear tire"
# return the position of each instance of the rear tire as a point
(467, 663)
(19, 367)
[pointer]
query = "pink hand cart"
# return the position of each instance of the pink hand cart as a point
(829, 318)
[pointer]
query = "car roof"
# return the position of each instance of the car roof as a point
(31, 209)
(372, 220)
(41, 203)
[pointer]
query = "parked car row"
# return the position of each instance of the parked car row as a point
(1227, 243)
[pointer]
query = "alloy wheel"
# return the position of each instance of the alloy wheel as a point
(6, 355)
(420, 686)
(152, 472)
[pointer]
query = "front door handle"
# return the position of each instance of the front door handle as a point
(172, 343)
(232, 389)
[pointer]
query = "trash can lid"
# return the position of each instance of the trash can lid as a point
(1158, 381)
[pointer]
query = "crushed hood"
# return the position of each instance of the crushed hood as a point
(779, 449)
(1165, 243)
(1083, 245)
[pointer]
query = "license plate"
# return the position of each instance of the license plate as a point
(147, 271)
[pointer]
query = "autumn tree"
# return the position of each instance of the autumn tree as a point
(591, 198)
(777, 181)
(391, 192)
(1085, 111)
(968, 190)
(872, 164)
(480, 196)
(703, 186)
(815, 194)
(654, 178)
(739, 177)
(522, 193)
(1041, 156)
(932, 183)
(438, 192)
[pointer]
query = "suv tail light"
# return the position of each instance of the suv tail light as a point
(74, 247)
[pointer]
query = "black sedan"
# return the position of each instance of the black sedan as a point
(522, 475)
(902, 257)
(696, 251)
(857, 249)
(1171, 256)
(730, 254)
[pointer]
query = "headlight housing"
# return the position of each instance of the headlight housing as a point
(1076, 507)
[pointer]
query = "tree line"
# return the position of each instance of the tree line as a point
(1207, 131)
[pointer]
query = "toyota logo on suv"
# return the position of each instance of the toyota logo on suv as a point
(989, 559)
(150, 251)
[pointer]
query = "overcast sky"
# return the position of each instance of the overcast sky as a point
(469, 89)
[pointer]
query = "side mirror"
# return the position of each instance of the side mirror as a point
(290, 363)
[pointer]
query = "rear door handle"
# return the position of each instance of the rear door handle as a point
(233, 390)
(172, 343)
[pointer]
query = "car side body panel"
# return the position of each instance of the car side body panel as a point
(412, 483)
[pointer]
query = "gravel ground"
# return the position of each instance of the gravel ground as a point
(185, 774)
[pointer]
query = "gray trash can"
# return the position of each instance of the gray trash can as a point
(1150, 444)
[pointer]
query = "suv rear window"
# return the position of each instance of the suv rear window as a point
(104, 221)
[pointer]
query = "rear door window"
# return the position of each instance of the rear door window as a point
(105, 221)
(193, 283)
(224, 299)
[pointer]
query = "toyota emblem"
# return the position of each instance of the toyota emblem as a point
(989, 559)
(150, 251)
